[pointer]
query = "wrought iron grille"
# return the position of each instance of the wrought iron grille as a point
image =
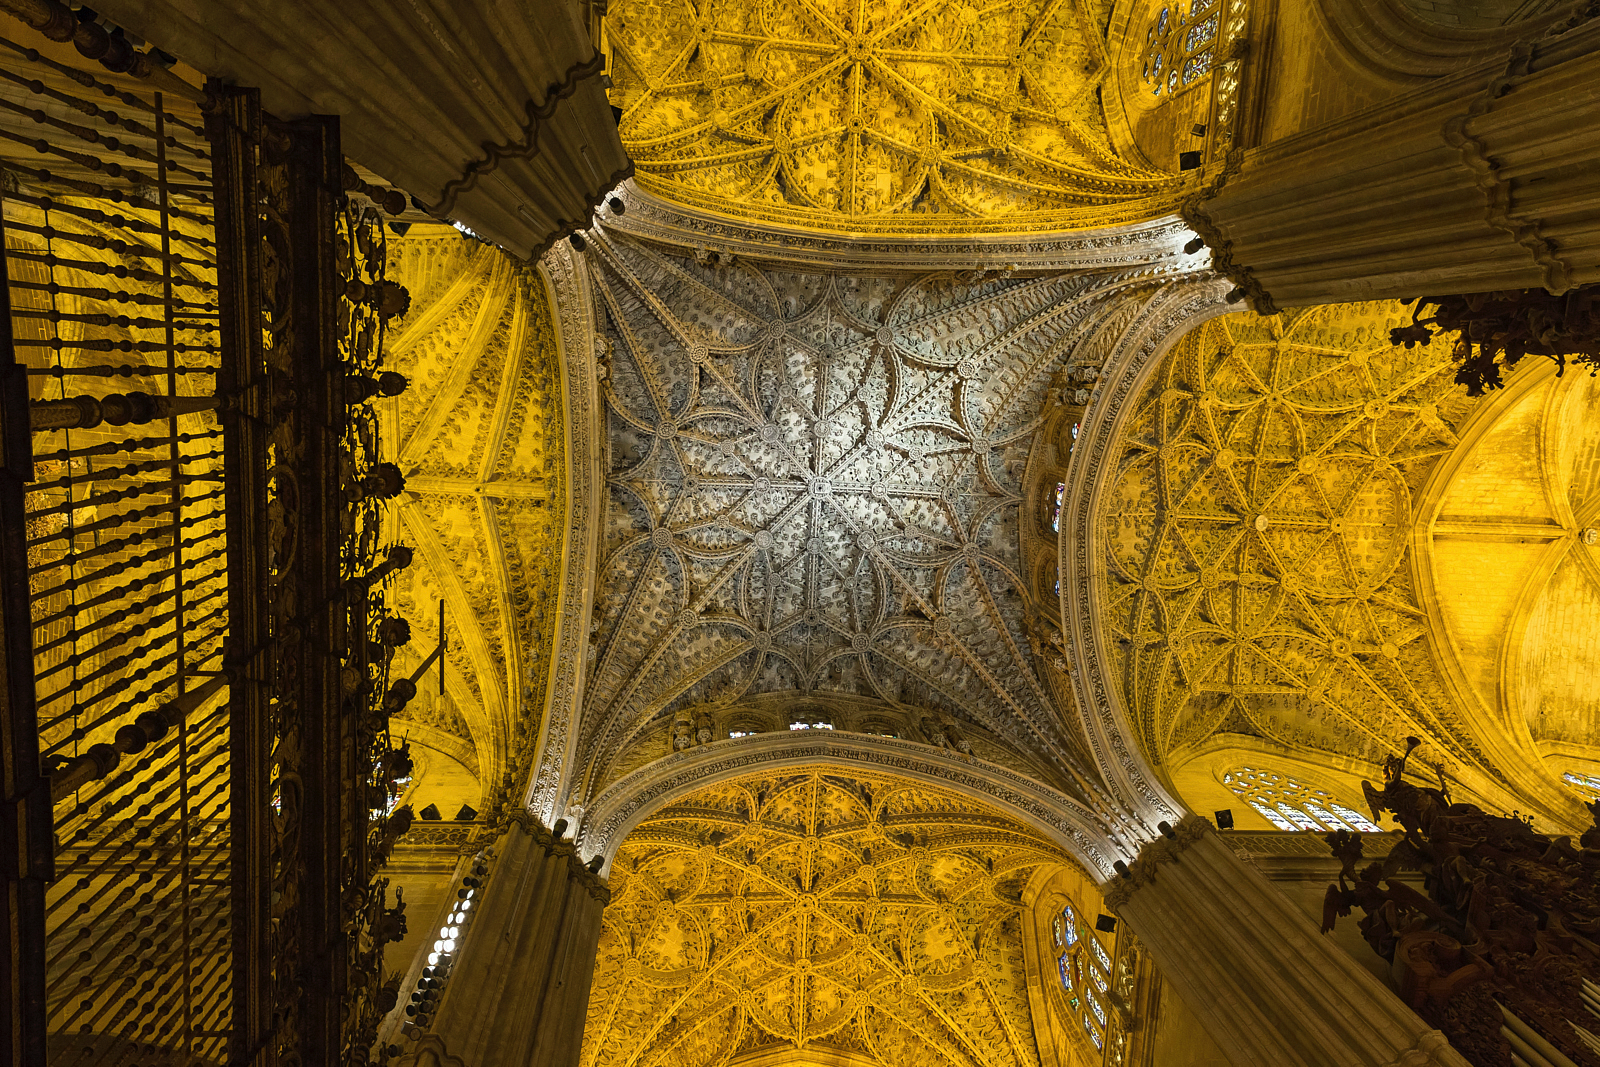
(111, 260)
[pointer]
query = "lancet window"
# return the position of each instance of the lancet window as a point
(1084, 967)
(1055, 506)
(1290, 804)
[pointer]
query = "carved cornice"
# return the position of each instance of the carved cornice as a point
(1155, 245)
(1163, 319)
(1076, 828)
(1166, 849)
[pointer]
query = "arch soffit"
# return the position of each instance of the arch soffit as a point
(566, 285)
(1393, 42)
(1166, 317)
(1155, 245)
(1057, 818)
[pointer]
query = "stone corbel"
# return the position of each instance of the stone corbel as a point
(1222, 261)
(554, 843)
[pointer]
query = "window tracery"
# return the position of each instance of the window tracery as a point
(1587, 784)
(1084, 967)
(1289, 804)
(1180, 45)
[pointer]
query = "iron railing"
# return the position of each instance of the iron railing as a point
(111, 261)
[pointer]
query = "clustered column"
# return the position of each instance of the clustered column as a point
(1270, 990)
(519, 990)
(1482, 181)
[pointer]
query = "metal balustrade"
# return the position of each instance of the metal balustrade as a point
(110, 257)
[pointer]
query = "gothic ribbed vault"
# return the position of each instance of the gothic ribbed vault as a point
(820, 916)
(876, 117)
(814, 487)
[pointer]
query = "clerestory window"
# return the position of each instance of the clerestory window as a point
(1289, 804)
(1085, 970)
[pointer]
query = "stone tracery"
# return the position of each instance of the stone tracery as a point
(1258, 534)
(815, 485)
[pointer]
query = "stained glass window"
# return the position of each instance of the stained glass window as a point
(1055, 506)
(811, 726)
(1085, 970)
(1181, 44)
(1292, 805)
(1587, 784)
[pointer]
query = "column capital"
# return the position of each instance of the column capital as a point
(1164, 849)
(430, 1052)
(598, 888)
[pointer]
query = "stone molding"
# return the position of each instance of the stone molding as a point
(430, 1051)
(570, 296)
(1156, 245)
(1160, 323)
(1165, 849)
(1082, 832)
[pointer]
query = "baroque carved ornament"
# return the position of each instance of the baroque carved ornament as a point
(876, 116)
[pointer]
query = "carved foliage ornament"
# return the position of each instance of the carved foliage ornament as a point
(880, 117)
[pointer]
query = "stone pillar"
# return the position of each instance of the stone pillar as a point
(1270, 989)
(1482, 181)
(518, 992)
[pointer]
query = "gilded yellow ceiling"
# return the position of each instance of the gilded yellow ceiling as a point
(479, 438)
(1258, 539)
(876, 116)
(806, 918)
(1522, 504)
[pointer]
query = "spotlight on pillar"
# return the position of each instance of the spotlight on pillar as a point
(596, 863)
(1225, 819)
(1105, 923)
(1188, 160)
(1121, 868)
(430, 813)
(1195, 245)
(559, 830)
(1235, 295)
(577, 242)
(617, 206)
(467, 813)
(1166, 830)
(1199, 129)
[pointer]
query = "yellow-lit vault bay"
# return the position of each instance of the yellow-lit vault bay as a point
(881, 117)
(813, 919)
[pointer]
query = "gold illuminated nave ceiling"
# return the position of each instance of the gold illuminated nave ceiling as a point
(885, 532)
